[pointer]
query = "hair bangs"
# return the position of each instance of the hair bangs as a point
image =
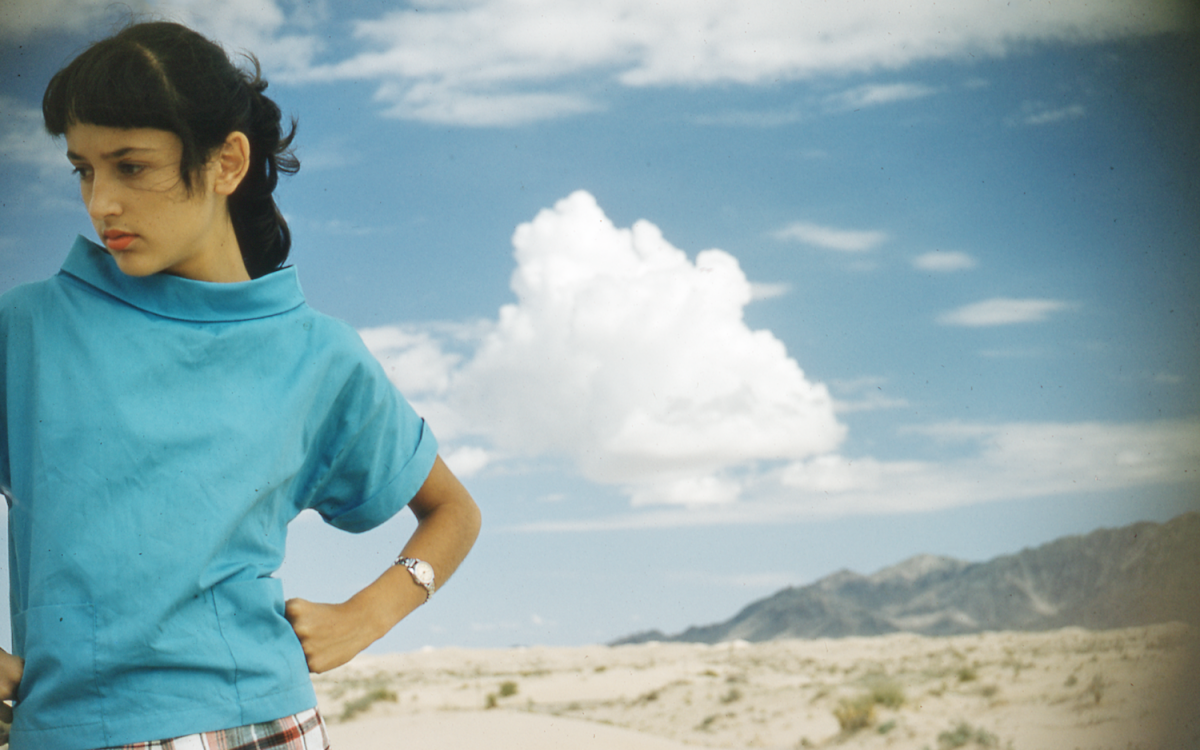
(117, 83)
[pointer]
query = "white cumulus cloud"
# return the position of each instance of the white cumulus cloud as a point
(1000, 311)
(627, 358)
(414, 360)
(467, 460)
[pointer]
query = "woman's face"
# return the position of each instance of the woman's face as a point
(145, 216)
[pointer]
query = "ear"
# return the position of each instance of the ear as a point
(232, 162)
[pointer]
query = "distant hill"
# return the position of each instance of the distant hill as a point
(1137, 575)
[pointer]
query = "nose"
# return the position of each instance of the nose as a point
(103, 198)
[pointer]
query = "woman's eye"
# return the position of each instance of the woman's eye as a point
(130, 170)
(82, 172)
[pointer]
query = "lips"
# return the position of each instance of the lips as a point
(115, 239)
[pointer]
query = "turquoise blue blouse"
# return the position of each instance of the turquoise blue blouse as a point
(156, 437)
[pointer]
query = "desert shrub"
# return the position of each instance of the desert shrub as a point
(508, 688)
(887, 693)
(1095, 688)
(352, 708)
(733, 695)
(964, 734)
(853, 714)
(649, 697)
(967, 674)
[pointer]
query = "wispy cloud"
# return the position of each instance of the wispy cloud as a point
(1039, 113)
(760, 290)
(753, 118)
(876, 94)
(1009, 461)
(996, 462)
(831, 238)
(1001, 311)
(449, 106)
(492, 62)
(943, 261)
(25, 18)
(1014, 353)
(864, 394)
(443, 61)
(23, 138)
(331, 154)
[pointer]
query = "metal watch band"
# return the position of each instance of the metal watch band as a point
(421, 572)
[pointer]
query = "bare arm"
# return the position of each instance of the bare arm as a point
(447, 525)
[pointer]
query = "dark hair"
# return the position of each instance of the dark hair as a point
(168, 77)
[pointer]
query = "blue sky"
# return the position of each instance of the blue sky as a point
(704, 299)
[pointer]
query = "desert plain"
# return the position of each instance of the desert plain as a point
(1130, 689)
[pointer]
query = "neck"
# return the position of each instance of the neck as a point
(222, 263)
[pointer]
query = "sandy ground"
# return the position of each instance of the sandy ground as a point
(1062, 690)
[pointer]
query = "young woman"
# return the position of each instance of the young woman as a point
(168, 403)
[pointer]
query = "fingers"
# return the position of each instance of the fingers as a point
(293, 609)
(330, 634)
(12, 668)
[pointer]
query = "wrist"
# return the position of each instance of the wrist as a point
(377, 609)
(421, 572)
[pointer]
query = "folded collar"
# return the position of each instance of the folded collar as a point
(185, 299)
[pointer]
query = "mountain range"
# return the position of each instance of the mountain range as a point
(1136, 575)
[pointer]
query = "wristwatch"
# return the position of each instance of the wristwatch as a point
(421, 571)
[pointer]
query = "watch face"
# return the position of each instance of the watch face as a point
(423, 572)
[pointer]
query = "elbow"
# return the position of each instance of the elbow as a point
(472, 520)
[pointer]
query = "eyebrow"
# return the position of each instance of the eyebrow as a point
(126, 151)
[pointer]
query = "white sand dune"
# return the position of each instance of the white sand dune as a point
(490, 729)
(1072, 689)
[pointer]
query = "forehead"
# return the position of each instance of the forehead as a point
(100, 141)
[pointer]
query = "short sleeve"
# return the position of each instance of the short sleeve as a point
(373, 452)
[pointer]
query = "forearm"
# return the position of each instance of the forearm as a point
(447, 524)
(443, 538)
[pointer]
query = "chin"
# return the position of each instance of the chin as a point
(131, 267)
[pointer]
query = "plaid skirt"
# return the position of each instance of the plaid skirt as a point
(304, 731)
